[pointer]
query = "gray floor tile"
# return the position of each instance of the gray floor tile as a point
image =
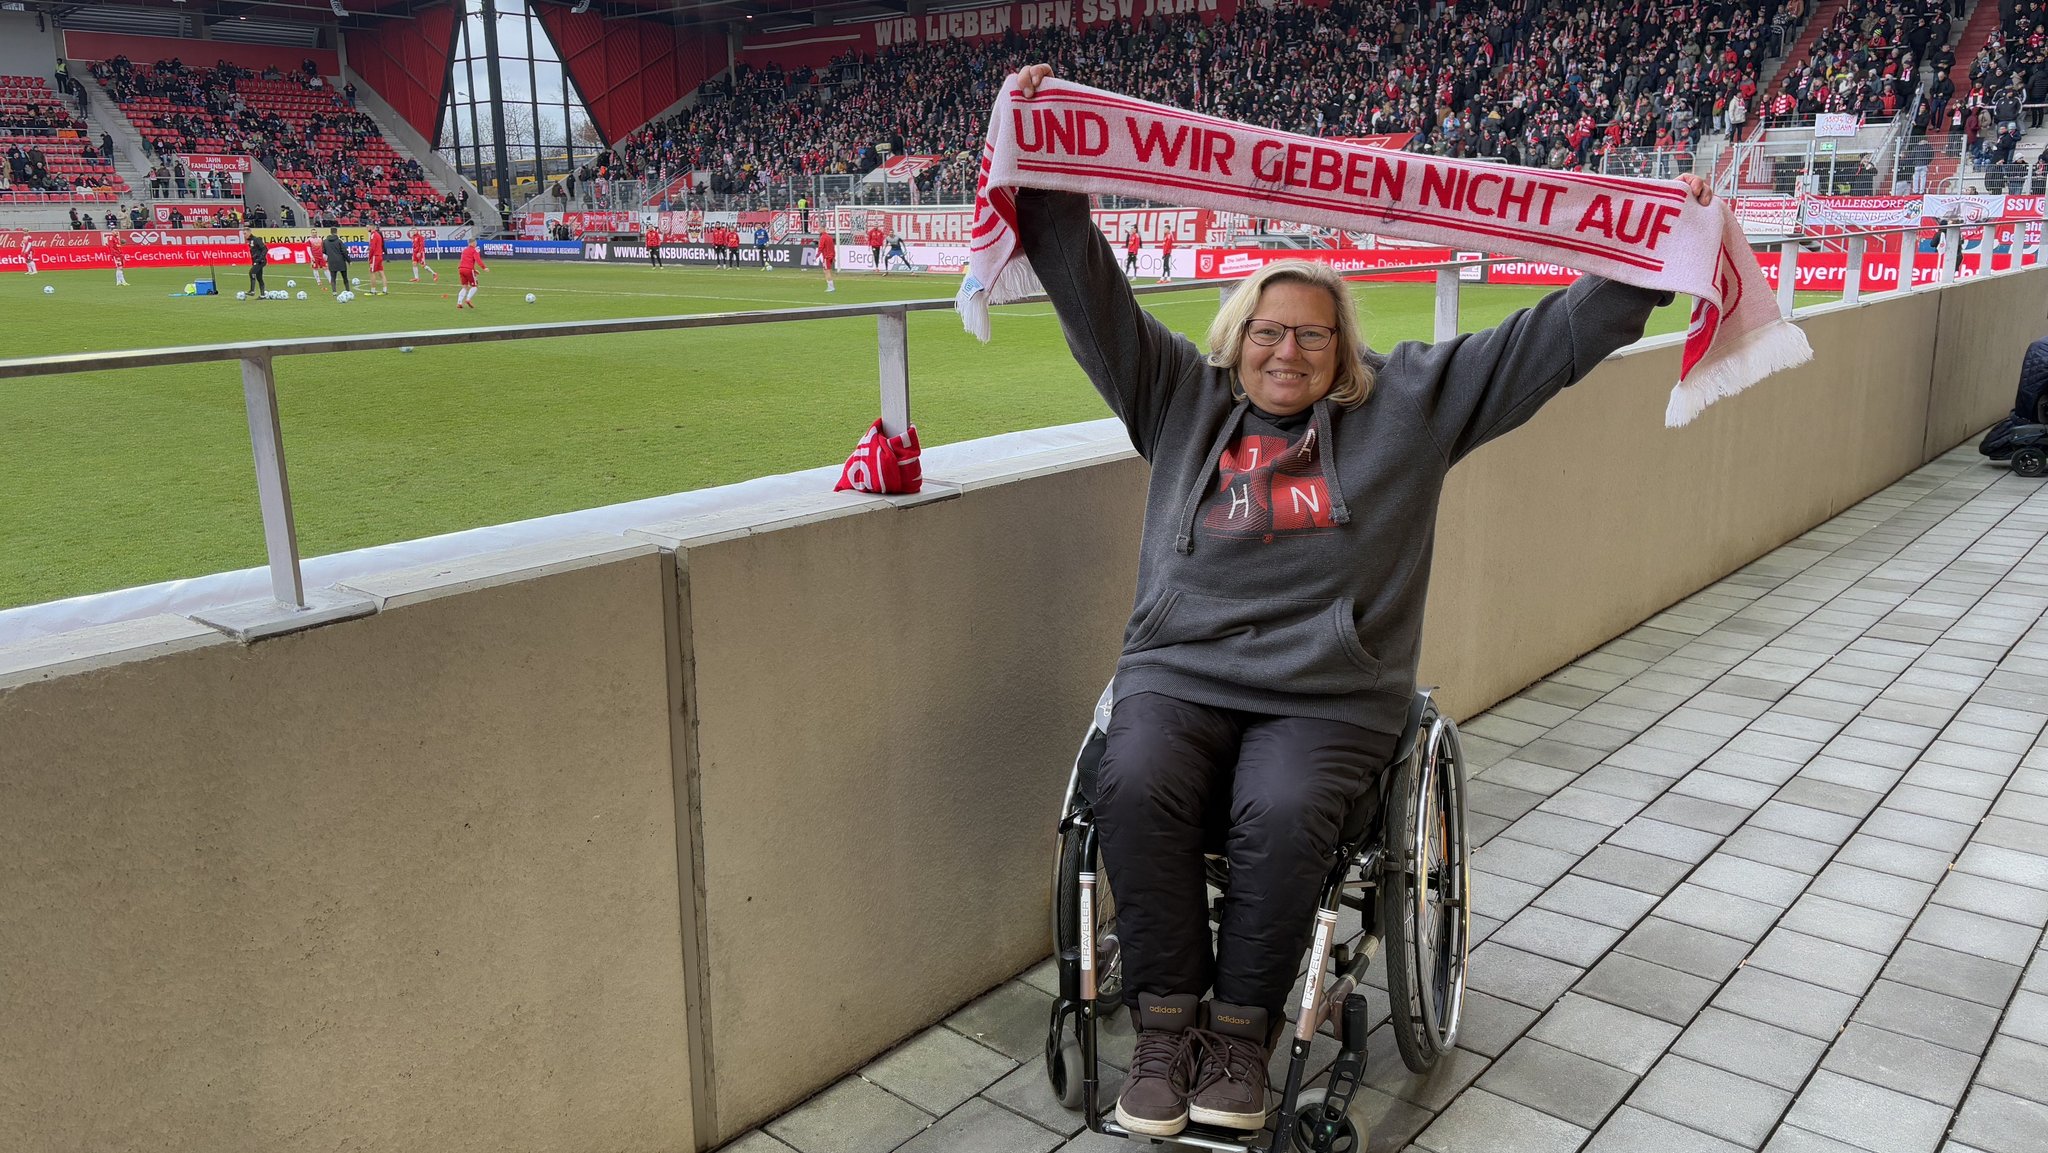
(1629, 868)
(1500, 897)
(1874, 1118)
(1520, 861)
(1480, 1122)
(1755, 1049)
(1829, 796)
(1895, 824)
(1855, 885)
(1558, 1082)
(1756, 843)
(1792, 1139)
(1614, 906)
(1993, 898)
(1559, 754)
(1665, 840)
(1937, 1017)
(1490, 1024)
(1685, 948)
(1711, 1100)
(1631, 983)
(938, 1069)
(1870, 929)
(983, 1127)
(1631, 1130)
(2001, 864)
(1914, 862)
(1998, 1122)
(1010, 1019)
(1587, 805)
(2019, 836)
(1566, 834)
(1524, 978)
(1750, 879)
(850, 1117)
(1946, 806)
(1801, 821)
(1907, 1064)
(1541, 780)
(1975, 933)
(1694, 813)
(2016, 1067)
(1098, 1143)
(1817, 961)
(1025, 1091)
(1619, 782)
(1385, 1124)
(1722, 788)
(1718, 912)
(1554, 935)
(1795, 1005)
(755, 1142)
(2027, 1017)
(1498, 800)
(1433, 1090)
(1966, 975)
(1606, 1033)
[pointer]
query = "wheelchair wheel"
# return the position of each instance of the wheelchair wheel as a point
(1315, 1131)
(1066, 919)
(1063, 1067)
(1423, 896)
(2030, 462)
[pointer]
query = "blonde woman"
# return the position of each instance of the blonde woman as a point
(1270, 658)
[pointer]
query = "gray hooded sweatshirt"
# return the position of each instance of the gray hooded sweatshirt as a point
(1285, 561)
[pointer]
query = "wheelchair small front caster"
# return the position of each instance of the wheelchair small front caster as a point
(1316, 1131)
(2030, 462)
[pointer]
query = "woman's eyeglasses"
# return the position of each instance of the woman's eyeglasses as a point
(1308, 337)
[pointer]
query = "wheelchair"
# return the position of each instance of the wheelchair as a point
(1407, 873)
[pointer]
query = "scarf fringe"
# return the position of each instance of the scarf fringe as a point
(1773, 348)
(1016, 281)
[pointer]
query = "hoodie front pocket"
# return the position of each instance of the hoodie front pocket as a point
(1304, 646)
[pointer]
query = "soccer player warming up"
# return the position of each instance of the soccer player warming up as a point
(419, 258)
(319, 257)
(120, 261)
(380, 285)
(828, 253)
(472, 263)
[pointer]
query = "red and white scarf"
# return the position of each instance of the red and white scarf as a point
(1643, 232)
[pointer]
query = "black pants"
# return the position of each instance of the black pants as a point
(1282, 785)
(256, 280)
(654, 255)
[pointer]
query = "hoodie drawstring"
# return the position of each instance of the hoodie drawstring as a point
(1184, 542)
(1339, 511)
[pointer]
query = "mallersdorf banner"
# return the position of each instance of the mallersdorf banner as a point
(139, 248)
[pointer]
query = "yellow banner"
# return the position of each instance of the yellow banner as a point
(287, 235)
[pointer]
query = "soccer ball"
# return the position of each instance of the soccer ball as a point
(355, 282)
(302, 294)
(530, 298)
(405, 348)
(49, 290)
(241, 296)
(291, 284)
(344, 296)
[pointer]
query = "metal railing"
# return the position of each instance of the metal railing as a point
(257, 359)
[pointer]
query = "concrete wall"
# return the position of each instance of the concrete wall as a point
(418, 874)
(404, 883)
(25, 50)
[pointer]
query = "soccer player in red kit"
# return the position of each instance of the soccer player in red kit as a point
(419, 258)
(828, 254)
(1166, 256)
(320, 273)
(380, 285)
(472, 263)
(654, 246)
(875, 248)
(120, 260)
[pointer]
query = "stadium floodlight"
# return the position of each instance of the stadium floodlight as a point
(338, 9)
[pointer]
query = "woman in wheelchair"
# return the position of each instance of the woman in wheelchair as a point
(1269, 663)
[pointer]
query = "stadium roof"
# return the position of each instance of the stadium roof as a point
(295, 21)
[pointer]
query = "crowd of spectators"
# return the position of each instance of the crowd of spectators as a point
(44, 150)
(1610, 82)
(331, 156)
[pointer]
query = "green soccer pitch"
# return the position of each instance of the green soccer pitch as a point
(123, 478)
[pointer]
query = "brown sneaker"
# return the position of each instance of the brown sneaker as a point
(1230, 1080)
(1155, 1097)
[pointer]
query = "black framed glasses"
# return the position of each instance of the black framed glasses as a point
(1308, 337)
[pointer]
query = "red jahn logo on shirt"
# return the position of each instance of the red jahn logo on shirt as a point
(1267, 488)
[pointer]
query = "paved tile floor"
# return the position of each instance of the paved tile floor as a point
(1768, 872)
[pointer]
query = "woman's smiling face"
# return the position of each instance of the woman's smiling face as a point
(1285, 378)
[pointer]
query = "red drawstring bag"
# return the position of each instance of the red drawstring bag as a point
(884, 464)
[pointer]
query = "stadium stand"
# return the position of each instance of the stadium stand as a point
(48, 156)
(334, 158)
(1549, 85)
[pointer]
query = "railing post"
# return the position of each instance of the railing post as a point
(1446, 303)
(1909, 250)
(273, 491)
(1788, 275)
(1852, 275)
(1990, 235)
(893, 352)
(1951, 239)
